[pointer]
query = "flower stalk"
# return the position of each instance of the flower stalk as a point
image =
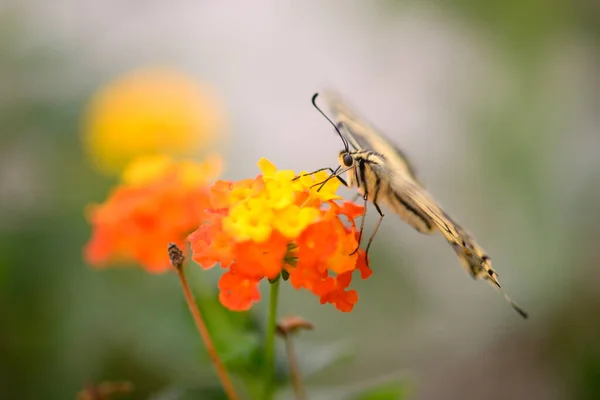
(177, 259)
(269, 368)
(286, 329)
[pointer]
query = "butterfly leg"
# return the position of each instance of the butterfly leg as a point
(372, 234)
(334, 174)
(339, 178)
(376, 227)
(362, 225)
(315, 171)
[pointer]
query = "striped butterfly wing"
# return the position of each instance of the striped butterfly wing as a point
(471, 255)
(405, 195)
(363, 136)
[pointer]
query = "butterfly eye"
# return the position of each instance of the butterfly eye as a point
(347, 160)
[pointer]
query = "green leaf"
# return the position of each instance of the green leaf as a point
(388, 391)
(189, 393)
(389, 387)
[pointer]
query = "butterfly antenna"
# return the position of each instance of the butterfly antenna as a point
(512, 303)
(516, 307)
(314, 98)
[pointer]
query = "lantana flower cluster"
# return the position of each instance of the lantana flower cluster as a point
(278, 227)
(158, 201)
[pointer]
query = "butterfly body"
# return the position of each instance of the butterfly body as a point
(376, 184)
(382, 174)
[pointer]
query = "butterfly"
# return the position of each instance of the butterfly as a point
(383, 175)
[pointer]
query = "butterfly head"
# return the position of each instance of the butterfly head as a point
(345, 159)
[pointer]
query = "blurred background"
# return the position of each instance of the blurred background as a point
(497, 103)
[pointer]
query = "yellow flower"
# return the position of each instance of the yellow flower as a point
(150, 111)
(194, 173)
(267, 168)
(304, 181)
(145, 169)
(250, 220)
(313, 182)
(293, 220)
(279, 193)
(256, 209)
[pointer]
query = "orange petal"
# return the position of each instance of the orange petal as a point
(219, 194)
(361, 265)
(351, 210)
(343, 300)
(344, 280)
(317, 242)
(310, 277)
(261, 259)
(210, 245)
(238, 292)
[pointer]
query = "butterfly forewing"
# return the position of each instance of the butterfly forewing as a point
(363, 136)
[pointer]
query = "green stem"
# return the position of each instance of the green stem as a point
(269, 368)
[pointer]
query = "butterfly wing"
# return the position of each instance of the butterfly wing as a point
(405, 195)
(471, 255)
(363, 136)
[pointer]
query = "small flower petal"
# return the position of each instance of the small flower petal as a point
(261, 259)
(267, 167)
(343, 300)
(293, 220)
(210, 245)
(237, 291)
(249, 220)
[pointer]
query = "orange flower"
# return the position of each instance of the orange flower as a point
(260, 228)
(159, 201)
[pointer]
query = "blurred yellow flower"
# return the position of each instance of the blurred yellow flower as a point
(150, 111)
